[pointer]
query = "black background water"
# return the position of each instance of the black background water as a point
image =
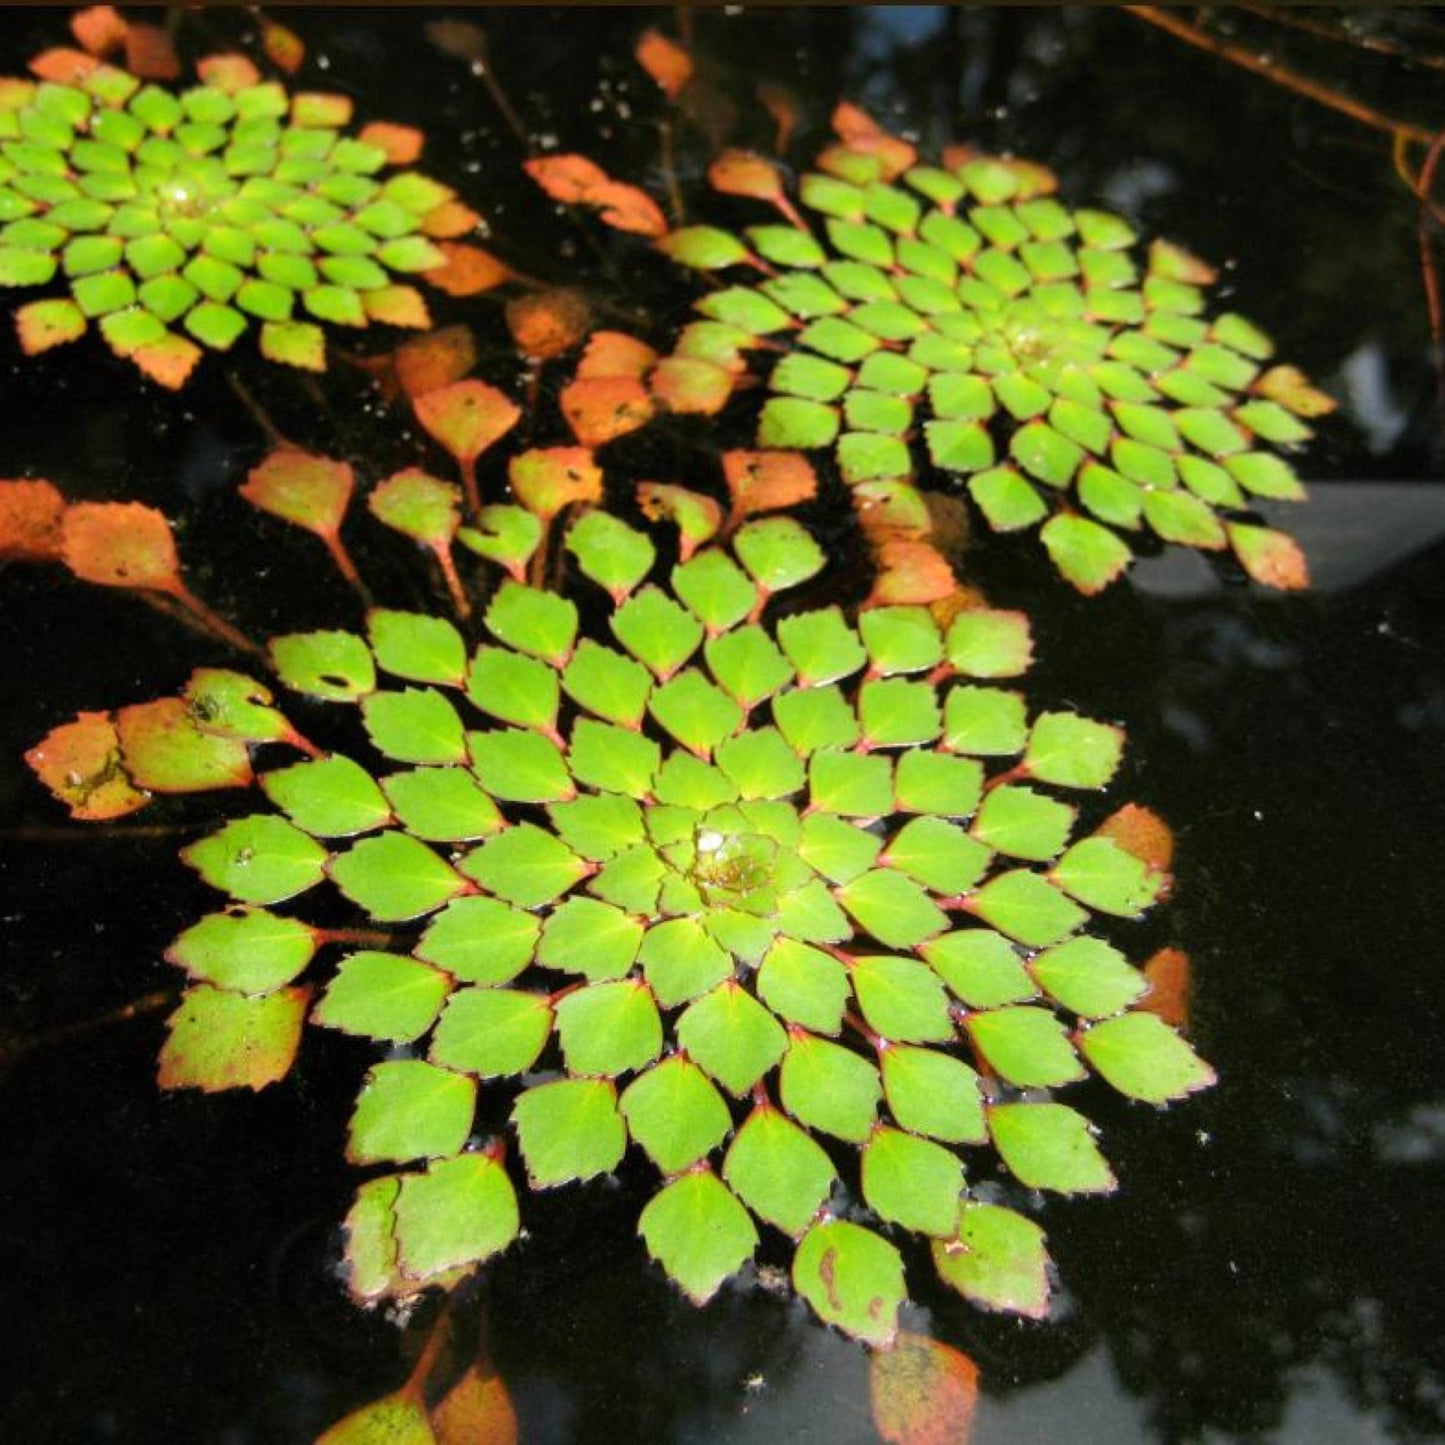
(1271, 1266)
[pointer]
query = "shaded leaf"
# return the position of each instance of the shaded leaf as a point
(923, 1392)
(998, 1261)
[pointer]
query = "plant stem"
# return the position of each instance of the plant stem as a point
(345, 565)
(216, 624)
(16, 1048)
(460, 600)
(259, 414)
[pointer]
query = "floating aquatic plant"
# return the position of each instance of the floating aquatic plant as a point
(960, 319)
(798, 908)
(177, 221)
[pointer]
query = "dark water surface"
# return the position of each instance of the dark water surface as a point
(1272, 1266)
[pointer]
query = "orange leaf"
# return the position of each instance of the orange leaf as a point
(402, 143)
(547, 479)
(665, 61)
(43, 324)
(740, 173)
(698, 518)
(570, 179)
(691, 386)
(547, 323)
(1272, 558)
(80, 763)
(283, 47)
(1142, 832)
(600, 409)
(466, 417)
(628, 209)
(1168, 975)
(99, 28)
(448, 220)
(477, 1410)
(30, 517)
(766, 481)
(437, 359)
(857, 129)
(150, 54)
(924, 1393)
(229, 72)
(467, 270)
(308, 491)
(168, 362)
(615, 353)
(1289, 386)
(911, 573)
(120, 544)
(64, 67)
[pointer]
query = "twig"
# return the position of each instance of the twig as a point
(259, 414)
(18, 1047)
(1429, 275)
(1292, 20)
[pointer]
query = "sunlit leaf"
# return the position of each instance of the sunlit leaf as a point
(1049, 1146)
(852, 1278)
(461, 1211)
(409, 1109)
(1141, 1056)
(219, 1040)
(570, 1129)
(998, 1261)
(382, 996)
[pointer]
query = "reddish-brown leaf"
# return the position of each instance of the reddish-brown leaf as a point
(625, 208)
(43, 324)
(665, 61)
(168, 362)
(283, 47)
(477, 1410)
(150, 54)
(911, 572)
(571, 179)
(79, 762)
(741, 173)
(449, 220)
(309, 491)
(1142, 832)
(164, 751)
(99, 28)
(229, 72)
(467, 270)
(1272, 558)
(858, 130)
(120, 544)
(544, 324)
(697, 517)
(30, 518)
(402, 143)
(63, 66)
(924, 1393)
(601, 408)
(397, 306)
(1168, 975)
(466, 417)
(437, 359)
(692, 386)
(783, 108)
(615, 353)
(766, 481)
(547, 479)
(852, 123)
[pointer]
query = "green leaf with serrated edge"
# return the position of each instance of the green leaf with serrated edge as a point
(1073, 752)
(705, 248)
(1024, 823)
(1110, 497)
(336, 666)
(492, 1032)
(675, 1114)
(230, 704)
(1008, 502)
(520, 766)
(540, 623)
(938, 854)
(442, 805)
(504, 534)
(815, 717)
(610, 552)
(656, 631)
(330, 798)
(524, 865)
(417, 647)
(838, 850)
(415, 725)
(829, 1087)
(811, 914)
(695, 711)
(731, 1036)
(902, 999)
(1141, 1056)
(595, 939)
(777, 553)
(1086, 554)
(598, 827)
(980, 966)
(218, 1040)
(901, 639)
(804, 985)
(1049, 1146)
(1026, 908)
(1026, 1046)
(480, 940)
(778, 1171)
(741, 306)
(912, 1182)
(409, 1109)
(607, 683)
(1089, 977)
(892, 908)
(680, 961)
(696, 1229)
(997, 1262)
(748, 664)
(259, 859)
(895, 712)
(716, 589)
(761, 764)
(394, 876)
(795, 423)
(985, 721)
(613, 758)
(569, 1130)
(632, 880)
(382, 996)
(867, 456)
(370, 1263)
(609, 1028)
(460, 1212)
(927, 782)
(956, 444)
(1179, 516)
(821, 646)
(933, 1093)
(245, 949)
(852, 1279)
(1266, 476)
(985, 643)
(1107, 878)
(851, 784)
